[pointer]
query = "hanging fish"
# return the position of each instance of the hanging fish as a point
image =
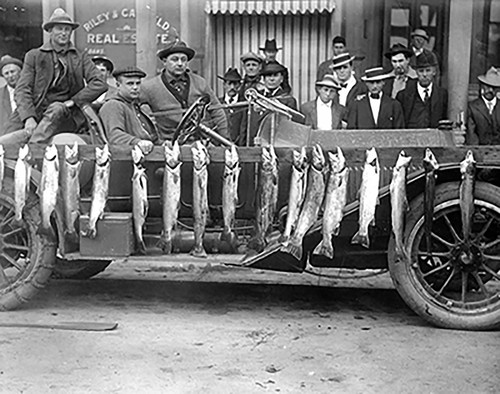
(368, 199)
(140, 204)
(49, 187)
(466, 193)
(22, 177)
(200, 196)
(171, 195)
(430, 166)
(70, 188)
(2, 166)
(230, 195)
(335, 201)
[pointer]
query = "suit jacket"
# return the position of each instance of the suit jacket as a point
(309, 109)
(5, 107)
(357, 90)
(438, 104)
(482, 128)
(234, 117)
(360, 115)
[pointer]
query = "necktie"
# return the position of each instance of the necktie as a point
(426, 95)
(375, 96)
(490, 107)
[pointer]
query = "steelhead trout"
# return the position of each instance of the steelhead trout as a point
(100, 188)
(335, 201)
(298, 183)
(430, 166)
(368, 198)
(466, 193)
(49, 187)
(399, 202)
(140, 204)
(315, 193)
(70, 188)
(230, 195)
(200, 196)
(22, 177)
(171, 195)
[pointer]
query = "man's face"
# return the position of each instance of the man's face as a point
(489, 92)
(60, 34)
(129, 87)
(400, 64)
(11, 73)
(272, 81)
(270, 54)
(326, 93)
(426, 75)
(344, 72)
(338, 48)
(103, 71)
(375, 87)
(175, 64)
(418, 42)
(231, 88)
(251, 67)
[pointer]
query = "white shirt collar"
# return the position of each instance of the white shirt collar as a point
(345, 91)
(324, 114)
(375, 106)
(421, 90)
(228, 99)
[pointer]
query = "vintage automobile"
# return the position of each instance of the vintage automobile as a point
(453, 283)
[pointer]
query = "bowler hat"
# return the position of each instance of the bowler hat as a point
(329, 81)
(176, 47)
(342, 59)
(251, 56)
(375, 74)
(129, 71)
(272, 68)
(426, 59)
(270, 45)
(103, 59)
(231, 75)
(420, 33)
(59, 17)
(7, 59)
(397, 49)
(491, 78)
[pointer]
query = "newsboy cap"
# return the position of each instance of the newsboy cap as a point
(251, 56)
(129, 71)
(59, 17)
(7, 59)
(176, 47)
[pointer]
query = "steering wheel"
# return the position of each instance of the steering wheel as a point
(190, 122)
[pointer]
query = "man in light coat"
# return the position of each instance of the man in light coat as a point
(10, 69)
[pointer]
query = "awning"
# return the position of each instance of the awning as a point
(268, 6)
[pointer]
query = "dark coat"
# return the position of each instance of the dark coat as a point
(309, 109)
(482, 128)
(360, 116)
(5, 107)
(438, 104)
(234, 118)
(357, 90)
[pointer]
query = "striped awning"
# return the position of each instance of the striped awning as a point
(268, 6)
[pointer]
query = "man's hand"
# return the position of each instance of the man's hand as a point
(146, 146)
(30, 125)
(69, 103)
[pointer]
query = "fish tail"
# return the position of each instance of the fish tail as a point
(293, 249)
(323, 249)
(141, 247)
(198, 251)
(46, 231)
(229, 237)
(166, 243)
(361, 239)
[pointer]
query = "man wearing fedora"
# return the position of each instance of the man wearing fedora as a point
(105, 67)
(10, 69)
(418, 40)
(176, 89)
(424, 103)
(326, 67)
(123, 120)
(399, 56)
(350, 86)
(56, 81)
(483, 113)
(270, 50)
(232, 83)
(375, 110)
(324, 113)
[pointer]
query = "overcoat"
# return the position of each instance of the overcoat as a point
(482, 128)
(360, 115)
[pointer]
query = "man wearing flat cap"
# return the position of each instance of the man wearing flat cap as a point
(424, 103)
(232, 83)
(399, 56)
(10, 69)
(105, 67)
(176, 89)
(324, 113)
(326, 67)
(123, 120)
(375, 110)
(56, 81)
(350, 86)
(483, 113)
(252, 64)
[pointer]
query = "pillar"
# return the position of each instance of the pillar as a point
(146, 36)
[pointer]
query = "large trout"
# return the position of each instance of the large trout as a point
(230, 195)
(335, 200)
(70, 188)
(100, 188)
(430, 166)
(22, 177)
(315, 193)
(466, 193)
(139, 197)
(171, 195)
(49, 187)
(200, 196)
(368, 198)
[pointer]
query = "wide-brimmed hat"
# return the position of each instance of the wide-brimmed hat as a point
(129, 71)
(231, 75)
(420, 33)
(426, 59)
(270, 45)
(491, 78)
(273, 68)
(251, 56)
(376, 74)
(7, 59)
(59, 17)
(176, 47)
(342, 59)
(329, 81)
(397, 49)
(103, 59)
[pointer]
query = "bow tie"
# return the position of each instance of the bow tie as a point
(375, 96)
(344, 85)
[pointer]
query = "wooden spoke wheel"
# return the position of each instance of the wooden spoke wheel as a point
(189, 125)
(457, 284)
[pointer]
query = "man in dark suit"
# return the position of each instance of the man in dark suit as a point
(10, 69)
(375, 110)
(483, 113)
(232, 84)
(324, 113)
(399, 55)
(424, 103)
(326, 67)
(350, 86)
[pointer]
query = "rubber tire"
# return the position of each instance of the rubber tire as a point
(413, 293)
(42, 254)
(78, 269)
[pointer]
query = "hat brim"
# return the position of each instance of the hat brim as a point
(344, 62)
(407, 52)
(427, 38)
(17, 62)
(320, 84)
(137, 74)
(381, 77)
(270, 49)
(484, 80)
(228, 79)
(110, 64)
(47, 26)
(163, 53)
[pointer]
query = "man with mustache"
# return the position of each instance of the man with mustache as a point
(232, 84)
(10, 69)
(399, 55)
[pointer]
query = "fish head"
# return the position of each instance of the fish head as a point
(71, 153)
(333, 158)
(172, 154)
(231, 157)
(50, 152)
(299, 159)
(200, 155)
(467, 165)
(430, 162)
(371, 157)
(318, 158)
(24, 152)
(137, 154)
(403, 160)
(102, 156)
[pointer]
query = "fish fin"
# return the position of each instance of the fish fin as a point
(336, 230)
(372, 222)
(361, 239)
(293, 249)
(324, 250)
(198, 251)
